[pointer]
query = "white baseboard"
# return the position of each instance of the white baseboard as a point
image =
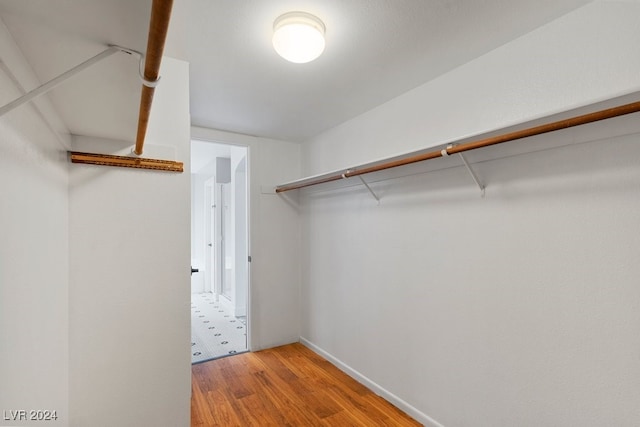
(380, 391)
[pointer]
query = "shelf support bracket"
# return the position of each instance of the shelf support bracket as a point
(46, 87)
(473, 175)
(369, 188)
(445, 153)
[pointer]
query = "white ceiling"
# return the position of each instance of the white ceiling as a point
(376, 50)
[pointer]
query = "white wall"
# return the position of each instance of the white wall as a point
(517, 309)
(520, 308)
(584, 57)
(129, 281)
(33, 250)
(274, 228)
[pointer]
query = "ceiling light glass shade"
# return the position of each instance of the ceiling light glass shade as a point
(298, 37)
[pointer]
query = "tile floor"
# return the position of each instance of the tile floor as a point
(214, 331)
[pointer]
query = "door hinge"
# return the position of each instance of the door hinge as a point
(249, 258)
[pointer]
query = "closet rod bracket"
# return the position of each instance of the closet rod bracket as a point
(473, 174)
(369, 188)
(46, 87)
(445, 153)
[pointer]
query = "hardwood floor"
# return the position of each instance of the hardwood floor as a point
(285, 386)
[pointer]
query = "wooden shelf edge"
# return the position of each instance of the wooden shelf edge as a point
(125, 162)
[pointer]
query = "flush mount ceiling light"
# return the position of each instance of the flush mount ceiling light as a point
(298, 37)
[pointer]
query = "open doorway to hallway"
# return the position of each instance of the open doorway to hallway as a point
(219, 250)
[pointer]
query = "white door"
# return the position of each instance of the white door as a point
(210, 236)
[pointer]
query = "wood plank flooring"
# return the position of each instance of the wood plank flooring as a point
(285, 386)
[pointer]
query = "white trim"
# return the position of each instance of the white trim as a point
(401, 404)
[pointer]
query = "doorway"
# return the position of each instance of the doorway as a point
(219, 250)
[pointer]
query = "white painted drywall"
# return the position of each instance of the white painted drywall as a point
(129, 322)
(584, 57)
(517, 309)
(274, 229)
(33, 251)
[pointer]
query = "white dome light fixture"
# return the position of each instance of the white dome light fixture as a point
(298, 37)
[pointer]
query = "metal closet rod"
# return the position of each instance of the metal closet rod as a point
(158, 28)
(608, 113)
